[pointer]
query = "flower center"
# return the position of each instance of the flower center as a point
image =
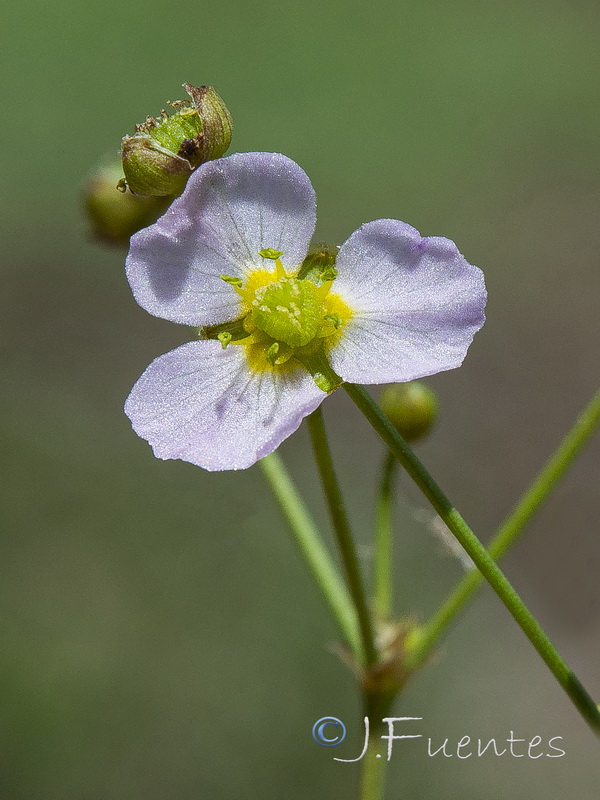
(288, 322)
(289, 310)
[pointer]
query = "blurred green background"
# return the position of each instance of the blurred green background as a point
(160, 637)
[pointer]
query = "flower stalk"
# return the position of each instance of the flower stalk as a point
(374, 764)
(314, 552)
(480, 556)
(554, 469)
(384, 540)
(341, 526)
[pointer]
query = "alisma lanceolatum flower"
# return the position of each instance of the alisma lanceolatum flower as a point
(279, 331)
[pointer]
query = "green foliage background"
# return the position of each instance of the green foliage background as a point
(160, 638)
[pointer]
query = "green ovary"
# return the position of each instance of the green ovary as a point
(288, 310)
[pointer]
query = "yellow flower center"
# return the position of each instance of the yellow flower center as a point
(287, 321)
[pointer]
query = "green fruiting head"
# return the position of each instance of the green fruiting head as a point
(288, 310)
(163, 152)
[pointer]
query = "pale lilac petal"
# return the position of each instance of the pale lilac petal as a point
(230, 210)
(202, 404)
(417, 304)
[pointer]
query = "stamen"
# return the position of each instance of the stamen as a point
(272, 353)
(324, 383)
(335, 320)
(232, 280)
(224, 337)
(268, 252)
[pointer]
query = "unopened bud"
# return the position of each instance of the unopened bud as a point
(163, 152)
(411, 408)
(115, 216)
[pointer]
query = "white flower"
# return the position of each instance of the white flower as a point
(227, 257)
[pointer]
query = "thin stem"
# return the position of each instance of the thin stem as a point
(384, 537)
(507, 533)
(316, 556)
(341, 526)
(482, 559)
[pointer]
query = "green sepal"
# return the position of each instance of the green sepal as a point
(315, 361)
(236, 329)
(217, 125)
(151, 170)
(319, 264)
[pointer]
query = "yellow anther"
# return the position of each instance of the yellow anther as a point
(225, 338)
(232, 280)
(335, 320)
(272, 353)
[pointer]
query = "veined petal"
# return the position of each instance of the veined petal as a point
(231, 209)
(416, 303)
(203, 404)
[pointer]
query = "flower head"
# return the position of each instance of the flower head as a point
(281, 330)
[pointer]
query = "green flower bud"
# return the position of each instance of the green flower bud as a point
(411, 407)
(115, 216)
(162, 153)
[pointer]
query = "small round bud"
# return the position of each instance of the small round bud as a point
(163, 152)
(115, 216)
(411, 408)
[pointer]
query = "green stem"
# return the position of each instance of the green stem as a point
(482, 559)
(507, 533)
(384, 537)
(343, 533)
(374, 762)
(316, 556)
